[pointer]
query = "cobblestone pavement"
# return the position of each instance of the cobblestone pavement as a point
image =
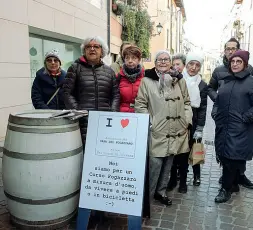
(195, 210)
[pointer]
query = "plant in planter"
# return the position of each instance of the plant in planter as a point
(137, 28)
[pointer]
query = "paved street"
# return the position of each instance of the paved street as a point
(194, 211)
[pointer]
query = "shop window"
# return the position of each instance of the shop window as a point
(39, 46)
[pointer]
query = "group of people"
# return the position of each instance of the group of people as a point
(175, 97)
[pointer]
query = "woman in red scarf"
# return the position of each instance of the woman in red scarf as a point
(129, 78)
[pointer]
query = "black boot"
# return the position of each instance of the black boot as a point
(182, 188)
(173, 178)
(223, 196)
(163, 199)
(196, 180)
(235, 188)
(245, 182)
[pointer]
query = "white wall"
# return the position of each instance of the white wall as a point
(70, 20)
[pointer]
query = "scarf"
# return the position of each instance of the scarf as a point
(192, 83)
(131, 74)
(53, 74)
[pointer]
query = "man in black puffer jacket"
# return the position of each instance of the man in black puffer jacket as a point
(90, 84)
(217, 81)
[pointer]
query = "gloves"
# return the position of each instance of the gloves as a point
(198, 133)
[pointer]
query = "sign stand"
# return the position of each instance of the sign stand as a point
(83, 218)
(134, 222)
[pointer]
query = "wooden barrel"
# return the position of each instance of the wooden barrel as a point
(42, 166)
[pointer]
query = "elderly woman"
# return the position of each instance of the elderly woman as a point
(178, 62)
(46, 89)
(129, 78)
(233, 118)
(90, 84)
(197, 89)
(163, 94)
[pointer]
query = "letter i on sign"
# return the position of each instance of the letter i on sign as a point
(109, 122)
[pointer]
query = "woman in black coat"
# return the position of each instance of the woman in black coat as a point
(197, 89)
(233, 116)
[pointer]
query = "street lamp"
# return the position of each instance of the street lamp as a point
(159, 28)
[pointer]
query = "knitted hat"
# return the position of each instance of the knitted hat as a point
(243, 54)
(53, 53)
(194, 57)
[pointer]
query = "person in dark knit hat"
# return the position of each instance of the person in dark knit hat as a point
(217, 80)
(46, 90)
(233, 116)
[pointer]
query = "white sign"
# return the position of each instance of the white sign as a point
(114, 162)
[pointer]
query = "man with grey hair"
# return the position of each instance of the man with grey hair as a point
(90, 84)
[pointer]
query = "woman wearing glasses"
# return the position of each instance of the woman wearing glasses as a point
(46, 89)
(163, 94)
(233, 116)
(90, 84)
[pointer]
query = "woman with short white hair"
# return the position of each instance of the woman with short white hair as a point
(90, 84)
(163, 95)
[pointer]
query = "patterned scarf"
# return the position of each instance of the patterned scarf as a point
(131, 74)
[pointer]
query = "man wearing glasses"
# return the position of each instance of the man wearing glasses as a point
(217, 80)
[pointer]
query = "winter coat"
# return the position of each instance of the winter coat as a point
(170, 116)
(234, 117)
(116, 66)
(218, 76)
(43, 88)
(128, 91)
(90, 88)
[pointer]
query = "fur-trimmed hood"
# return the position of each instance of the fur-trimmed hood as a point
(151, 73)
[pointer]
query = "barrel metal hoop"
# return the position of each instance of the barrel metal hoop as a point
(46, 224)
(30, 121)
(42, 131)
(41, 202)
(44, 156)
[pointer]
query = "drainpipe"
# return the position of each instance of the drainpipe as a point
(109, 24)
(171, 14)
(249, 36)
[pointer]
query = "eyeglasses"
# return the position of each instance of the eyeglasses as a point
(50, 60)
(95, 47)
(164, 60)
(237, 62)
(231, 49)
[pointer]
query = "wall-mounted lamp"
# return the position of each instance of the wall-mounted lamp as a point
(159, 28)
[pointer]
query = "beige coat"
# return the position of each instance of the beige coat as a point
(170, 115)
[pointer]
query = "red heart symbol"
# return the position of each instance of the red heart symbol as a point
(124, 122)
